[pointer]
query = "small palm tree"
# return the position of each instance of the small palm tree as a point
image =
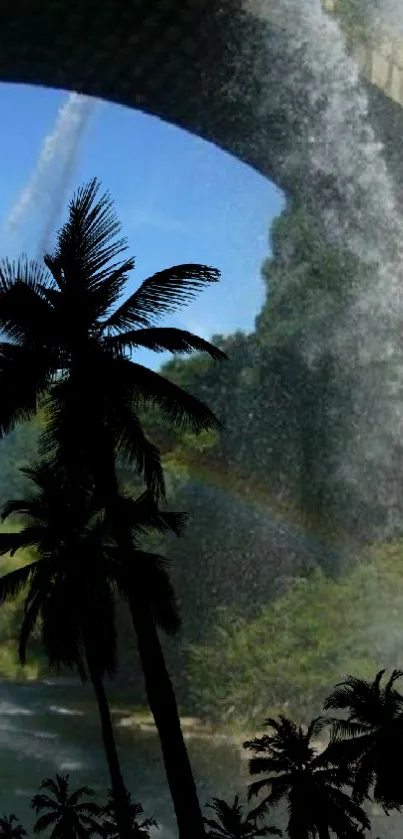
(109, 824)
(65, 812)
(11, 828)
(370, 739)
(315, 791)
(230, 822)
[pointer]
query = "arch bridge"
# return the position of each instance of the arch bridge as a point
(189, 62)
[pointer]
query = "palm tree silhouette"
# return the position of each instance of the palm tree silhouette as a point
(69, 344)
(230, 822)
(370, 736)
(314, 790)
(71, 588)
(68, 347)
(69, 592)
(109, 824)
(65, 812)
(11, 828)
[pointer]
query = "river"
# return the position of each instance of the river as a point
(53, 727)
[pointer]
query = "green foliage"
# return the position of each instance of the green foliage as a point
(11, 614)
(17, 450)
(286, 659)
(356, 21)
(308, 282)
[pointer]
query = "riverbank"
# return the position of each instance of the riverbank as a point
(139, 719)
(192, 727)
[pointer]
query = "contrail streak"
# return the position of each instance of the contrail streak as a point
(49, 180)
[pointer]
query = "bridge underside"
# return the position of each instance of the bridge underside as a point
(189, 62)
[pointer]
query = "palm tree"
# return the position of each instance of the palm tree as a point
(11, 828)
(69, 347)
(71, 588)
(370, 739)
(70, 343)
(69, 592)
(231, 823)
(109, 825)
(65, 812)
(298, 774)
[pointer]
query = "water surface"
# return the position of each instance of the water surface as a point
(53, 727)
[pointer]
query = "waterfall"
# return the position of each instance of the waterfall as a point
(337, 161)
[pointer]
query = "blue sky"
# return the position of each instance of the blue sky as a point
(179, 198)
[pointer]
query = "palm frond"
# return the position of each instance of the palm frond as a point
(89, 809)
(14, 582)
(256, 787)
(257, 765)
(143, 514)
(44, 802)
(347, 729)
(25, 314)
(45, 821)
(25, 373)
(163, 339)
(268, 830)
(377, 681)
(396, 674)
(10, 543)
(180, 407)
(132, 444)
(87, 244)
(163, 293)
(260, 811)
(258, 744)
(316, 726)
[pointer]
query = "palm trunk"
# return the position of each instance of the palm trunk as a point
(116, 778)
(162, 702)
(160, 693)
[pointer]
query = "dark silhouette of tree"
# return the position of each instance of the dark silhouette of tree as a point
(69, 343)
(65, 812)
(144, 580)
(11, 828)
(69, 346)
(370, 739)
(71, 588)
(230, 822)
(109, 824)
(69, 592)
(298, 774)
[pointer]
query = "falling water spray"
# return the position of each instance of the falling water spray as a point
(332, 153)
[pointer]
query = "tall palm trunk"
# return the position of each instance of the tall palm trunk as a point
(160, 692)
(162, 702)
(116, 778)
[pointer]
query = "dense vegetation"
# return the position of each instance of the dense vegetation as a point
(268, 591)
(270, 475)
